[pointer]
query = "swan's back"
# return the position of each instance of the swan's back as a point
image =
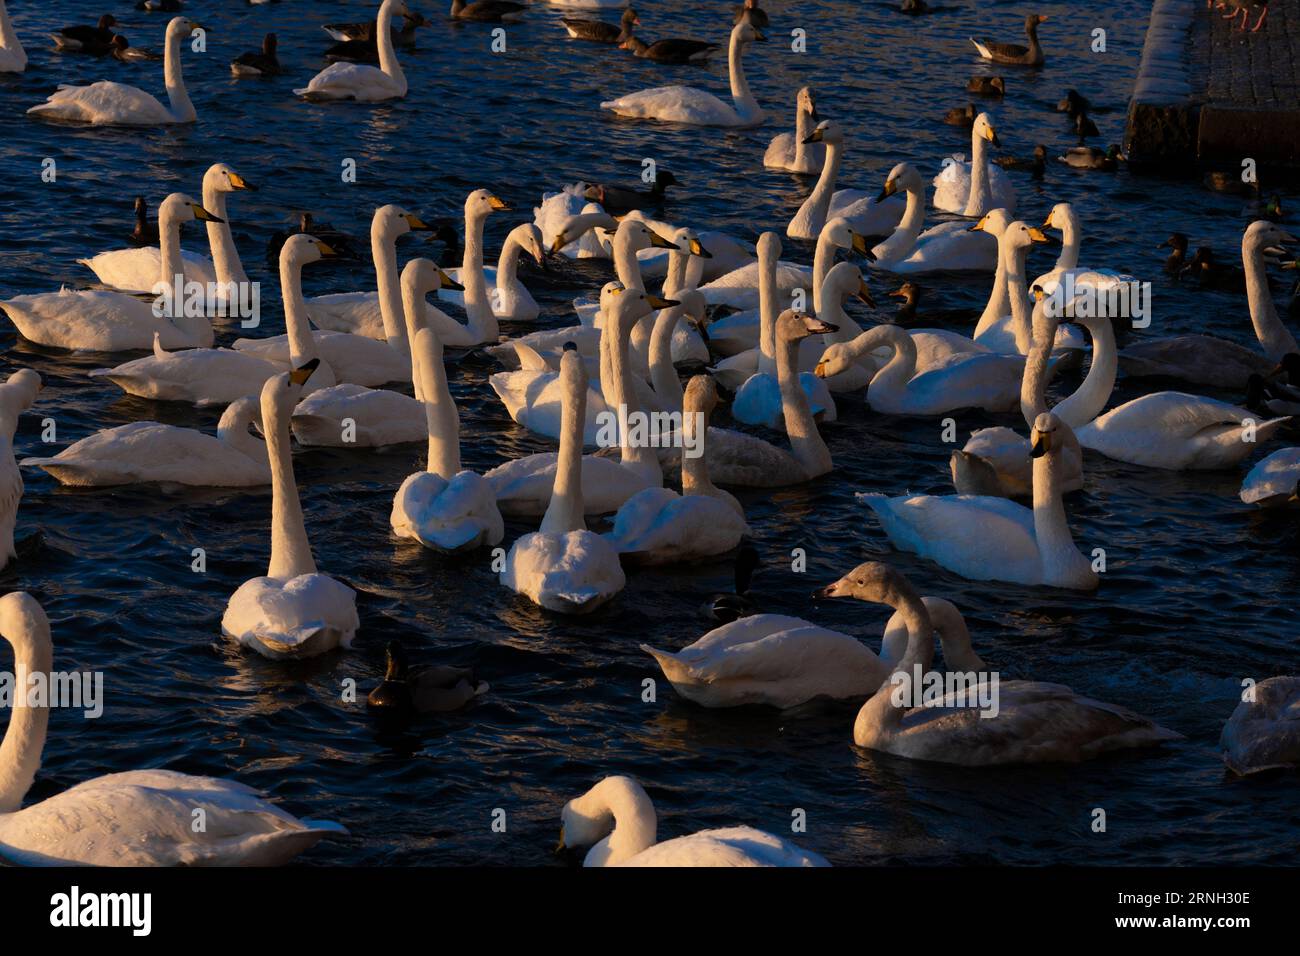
(1273, 479)
(730, 846)
(676, 104)
(103, 103)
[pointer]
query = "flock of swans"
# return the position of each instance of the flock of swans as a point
(773, 332)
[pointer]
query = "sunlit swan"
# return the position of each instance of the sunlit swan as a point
(685, 104)
(1208, 360)
(1063, 217)
(562, 566)
(138, 818)
(559, 209)
(138, 270)
(1273, 480)
(294, 611)
(792, 151)
(442, 506)
(993, 539)
(1263, 733)
(948, 246)
(973, 189)
(664, 337)
(115, 104)
(510, 298)
(359, 81)
(862, 212)
(13, 58)
(113, 321)
(1012, 331)
(17, 394)
(659, 526)
(198, 376)
(152, 452)
(616, 819)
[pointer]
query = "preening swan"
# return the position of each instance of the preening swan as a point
(294, 611)
(13, 58)
(360, 81)
(616, 819)
(948, 246)
(138, 818)
(562, 566)
(993, 539)
(1264, 733)
(792, 151)
(863, 213)
(115, 104)
(17, 394)
(975, 188)
(1272, 482)
(685, 104)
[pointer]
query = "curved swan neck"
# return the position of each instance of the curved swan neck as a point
(1094, 392)
(384, 40)
(508, 264)
(819, 200)
(954, 636)
(233, 429)
(20, 752)
(178, 97)
(1033, 385)
(1017, 257)
(806, 442)
(746, 105)
(1276, 339)
(769, 253)
(695, 469)
(565, 511)
(439, 407)
(878, 716)
(1068, 260)
(901, 367)
(383, 248)
(903, 240)
(633, 825)
(221, 243)
(980, 196)
(663, 376)
(302, 344)
(290, 550)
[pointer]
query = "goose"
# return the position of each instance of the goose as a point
(619, 200)
(1035, 722)
(1262, 733)
(826, 202)
(1272, 482)
(294, 611)
(138, 270)
(137, 818)
(115, 104)
(693, 107)
(562, 566)
(670, 49)
(103, 321)
(360, 81)
(949, 246)
(510, 299)
(1014, 53)
(422, 690)
(992, 539)
(83, 39)
(1067, 268)
(792, 151)
(599, 32)
(973, 189)
(365, 30)
(149, 452)
(17, 395)
(1208, 360)
(616, 819)
(122, 51)
(443, 507)
(487, 11)
(258, 63)
(1091, 157)
(199, 376)
(13, 58)
(659, 526)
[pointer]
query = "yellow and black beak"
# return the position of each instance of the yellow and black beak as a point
(303, 372)
(891, 187)
(560, 242)
(820, 369)
(202, 215)
(816, 136)
(864, 293)
(659, 302)
(415, 222)
(697, 249)
(1038, 235)
(326, 250)
(979, 226)
(239, 182)
(1038, 293)
(447, 282)
(1041, 445)
(497, 203)
(992, 136)
(660, 242)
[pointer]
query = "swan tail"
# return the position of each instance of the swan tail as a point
(529, 358)
(326, 826)
(673, 668)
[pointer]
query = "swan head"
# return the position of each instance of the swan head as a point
(1045, 436)
(807, 103)
(688, 242)
(399, 8)
(827, 131)
(1265, 236)
(746, 32)
(872, 581)
(701, 395)
(694, 307)
(768, 247)
(180, 27)
(392, 221)
(23, 624)
(836, 360)
(422, 276)
(615, 818)
(281, 394)
(1020, 235)
(223, 178)
(575, 227)
(20, 390)
(792, 326)
(903, 176)
(638, 235)
(843, 236)
(994, 222)
(302, 248)
(482, 202)
(844, 280)
(628, 306)
(530, 238)
(179, 207)
(983, 128)
(1062, 214)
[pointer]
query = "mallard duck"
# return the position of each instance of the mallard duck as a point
(1014, 53)
(963, 116)
(1036, 164)
(145, 232)
(1177, 246)
(619, 201)
(407, 690)
(987, 85)
(1090, 157)
(1213, 274)
(95, 40)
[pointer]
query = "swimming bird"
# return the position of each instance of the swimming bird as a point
(17, 395)
(409, 690)
(863, 213)
(600, 32)
(120, 49)
(1014, 53)
(145, 232)
(1036, 164)
(1210, 273)
(728, 606)
(342, 243)
(1091, 157)
(1177, 245)
(973, 188)
(1263, 733)
(1272, 483)
(487, 11)
(360, 81)
(95, 40)
(793, 151)
(200, 376)
(1085, 127)
(987, 85)
(1073, 103)
(402, 36)
(13, 58)
(961, 116)
(669, 49)
(619, 200)
(264, 63)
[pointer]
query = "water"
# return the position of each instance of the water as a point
(1199, 591)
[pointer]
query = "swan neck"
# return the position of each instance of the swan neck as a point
(1068, 260)
(290, 550)
(20, 752)
(233, 430)
(746, 105)
(634, 825)
(818, 202)
(806, 442)
(892, 379)
(1018, 291)
(626, 265)
(384, 40)
(663, 376)
(565, 511)
(1051, 530)
(767, 311)
(178, 97)
(221, 243)
(482, 321)
(999, 298)
(624, 397)
(383, 247)
(903, 240)
(439, 408)
(508, 264)
(302, 344)
(1276, 340)
(979, 198)
(1093, 393)
(802, 130)
(879, 717)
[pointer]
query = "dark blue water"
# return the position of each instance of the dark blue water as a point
(1199, 592)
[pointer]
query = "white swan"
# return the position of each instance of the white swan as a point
(152, 452)
(1272, 482)
(510, 298)
(685, 104)
(659, 526)
(975, 188)
(792, 151)
(993, 539)
(564, 567)
(616, 819)
(103, 321)
(480, 326)
(13, 58)
(294, 611)
(138, 270)
(1067, 266)
(557, 218)
(443, 507)
(138, 818)
(1263, 733)
(198, 376)
(17, 394)
(863, 213)
(950, 246)
(359, 81)
(115, 104)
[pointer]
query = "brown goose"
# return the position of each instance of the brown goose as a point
(987, 85)
(598, 31)
(94, 40)
(265, 63)
(487, 11)
(672, 50)
(366, 50)
(961, 116)
(1014, 53)
(402, 36)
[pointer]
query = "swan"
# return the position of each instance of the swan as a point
(616, 819)
(101, 321)
(950, 246)
(13, 58)
(198, 376)
(137, 818)
(665, 384)
(792, 151)
(143, 452)
(562, 566)
(556, 216)
(443, 507)
(1063, 217)
(973, 189)
(1263, 733)
(481, 323)
(1011, 332)
(510, 298)
(1272, 482)
(1035, 722)
(659, 526)
(1208, 360)
(115, 104)
(17, 394)
(359, 81)
(685, 104)
(137, 270)
(993, 539)
(294, 611)
(863, 214)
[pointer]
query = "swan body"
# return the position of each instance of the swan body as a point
(863, 214)
(379, 418)
(359, 81)
(791, 151)
(198, 376)
(17, 394)
(1272, 482)
(974, 189)
(949, 246)
(13, 58)
(510, 298)
(1264, 733)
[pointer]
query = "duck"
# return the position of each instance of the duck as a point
(199, 376)
(616, 819)
(1084, 127)
(961, 116)
(145, 232)
(339, 241)
(293, 611)
(258, 63)
(487, 11)
(1090, 157)
(359, 81)
(1073, 103)
(96, 40)
(1210, 273)
(728, 606)
(1036, 164)
(17, 395)
(793, 151)
(598, 31)
(105, 321)
(973, 189)
(121, 50)
(137, 818)
(619, 201)
(987, 86)
(13, 58)
(825, 202)
(1261, 734)
(510, 299)
(693, 107)
(1177, 245)
(670, 49)
(1013, 53)
(949, 246)
(407, 690)
(115, 104)
(563, 566)
(986, 538)
(1272, 482)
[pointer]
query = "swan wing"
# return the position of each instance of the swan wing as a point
(447, 515)
(357, 81)
(572, 572)
(139, 270)
(731, 846)
(104, 103)
(523, 486)
(301, 617)
(866, 216)
(676, 104)
(379, 417)
(1264, 733)
(949, 246)
(961, 380)
(1272, 477)
(680, 527)
(92, 320)
(201, 376)
(355, 312)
